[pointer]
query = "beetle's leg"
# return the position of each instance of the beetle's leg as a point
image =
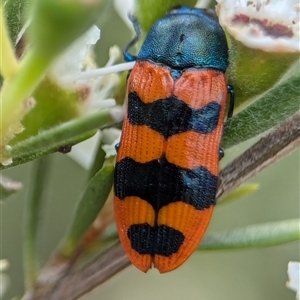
(117, 146)
(231, 102)
(221, 153)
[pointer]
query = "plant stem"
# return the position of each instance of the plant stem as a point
(277, 144)
(20, 87)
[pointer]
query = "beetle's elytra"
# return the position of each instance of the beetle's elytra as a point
(167, 163)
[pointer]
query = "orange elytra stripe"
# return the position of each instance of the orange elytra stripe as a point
(151, 82)
(189, 150)
(191, 222)
(142, 143)
(133, 210)
(207, 85)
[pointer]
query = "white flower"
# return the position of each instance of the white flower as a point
(102, 81)
(70, 64)
(294, 277)
(76, 69)
(269, 25)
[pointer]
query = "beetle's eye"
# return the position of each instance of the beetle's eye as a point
(176, 7)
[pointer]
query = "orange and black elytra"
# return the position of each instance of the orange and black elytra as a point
(167, 162)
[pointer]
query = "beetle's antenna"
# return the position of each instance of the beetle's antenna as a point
(137, 29)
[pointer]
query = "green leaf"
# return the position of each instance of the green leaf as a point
(254, 236)
(98, 160)
(8, 187)
(269, 110)
(60, 135)
(88, 208)
(238, 193)
(33, 206)
(14, 11)
(22, 159)
(148, 11)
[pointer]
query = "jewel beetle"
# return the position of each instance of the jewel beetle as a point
(166, 173)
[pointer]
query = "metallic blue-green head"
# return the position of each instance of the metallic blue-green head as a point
(187, 37)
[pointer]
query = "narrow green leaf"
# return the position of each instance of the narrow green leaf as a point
(98, 160)
(14, 11)
(8, 187)
(88, 208)
(33, 207)
(254, 236)
(8, 64)
(18, 160)
(238, 193)
(269, 110)
(61, 134)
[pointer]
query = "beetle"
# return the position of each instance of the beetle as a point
(166, 173)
